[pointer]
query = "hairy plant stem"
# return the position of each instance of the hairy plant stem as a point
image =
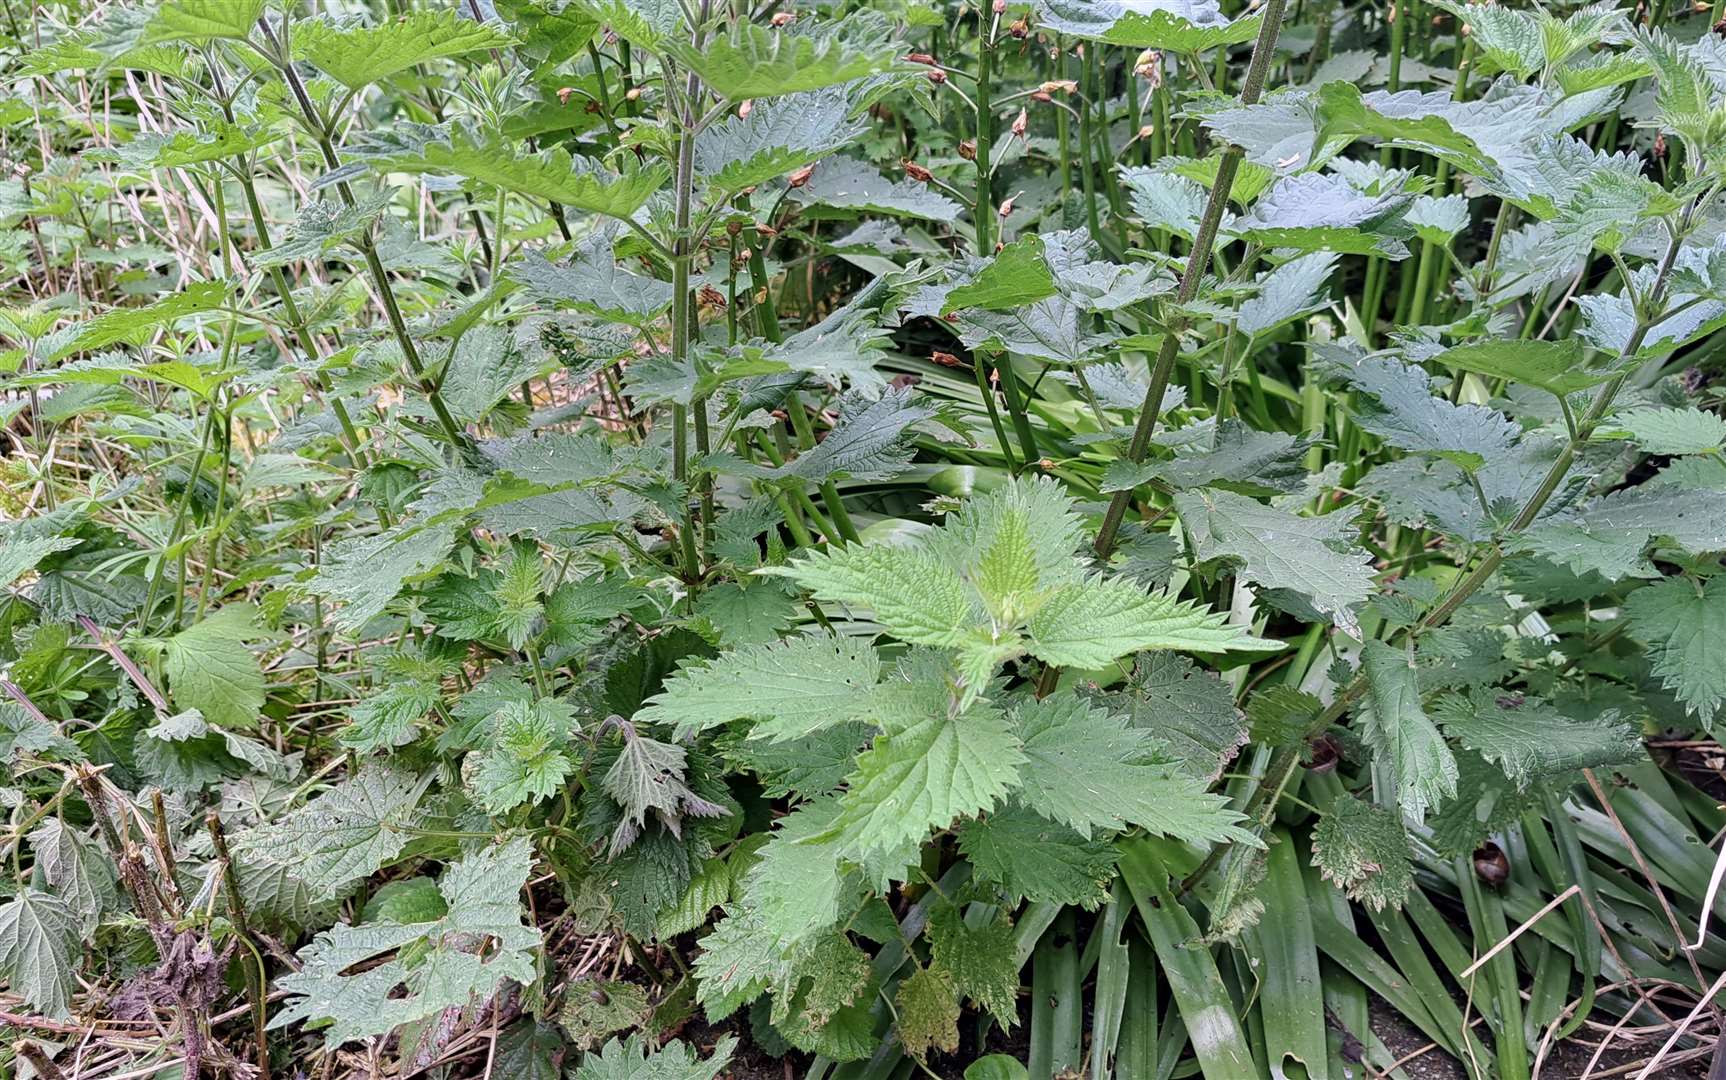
(1257, 69)
(983, 207)
(381, 286)
(683, 328)
(1261, 806)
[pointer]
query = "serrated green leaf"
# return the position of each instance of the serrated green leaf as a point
(1400, 408)
(525, 760)
(791, 688)
(632, 1060)
(1183, 26)
(1086, 768)
(1683, 623)
(357, 56)
(483, 904)
(1017, 275)
(1363, 849)
(123, 324)
(1558, 367)
(756, 61)
(1190, 712)
(777, 137)
(592, 282)
(983, 960)
(202, 20)
(366, 572)
(39, 942)
(210, 668)
(1531, 740)
(554, 175)
(850, 184)
(344, 835)
(927, 1011)
(1669, 431)
(1400, 730)
(923, 772)
(1316, 557)
(1088, 624)
(1033, 858)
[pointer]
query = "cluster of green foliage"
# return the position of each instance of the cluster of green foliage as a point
(617, 537)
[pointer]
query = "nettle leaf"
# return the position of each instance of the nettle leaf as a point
(871, 441)
(927, 1011)
(851, 184)
(1669, 431)
(983, 960)
(1558, 367)
(1189, 711)
(357, 56)
(321, 227)
(1398, 728)
(1017, 275)
(1240, 459)
(1086, 625)
(1611, 535)
(344, 835)
(202, 20)
(1085, 767)
(650, 775)
(1084, 276)
(756, 61)
(525, 759)
(129, 324)
(1684, 94)
(1363, 849)
(1323, 212)
(1400, 408)
(778, 136)
(39, 945)
(20, 552)
(447, 970)
(1166, 201)
(593, 282)
(791, 688)
(1530, 740)
(555, 175)
(1033, 858)
(646, 24)
(632, 1059)
(926, 769)
(1288, 292)
(77, 868)
(1316, 557)
(215, 141)
(1183, 26)
(1438, 219)
(365, 573)
(211, 669)
(1683, 624)
(1509, 40)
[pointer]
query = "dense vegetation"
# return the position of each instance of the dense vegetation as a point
(674, 538)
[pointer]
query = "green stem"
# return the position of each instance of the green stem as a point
(983, 207)
(1257, 69)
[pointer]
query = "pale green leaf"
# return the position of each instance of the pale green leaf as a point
(791, 688)
(1400, 730)
(357, 56)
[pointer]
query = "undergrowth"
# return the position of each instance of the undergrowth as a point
(677, 538)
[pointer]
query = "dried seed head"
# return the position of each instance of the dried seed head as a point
(1041, 96)
(1007, 206)
(710, 297)
(946, 359)
(1059, 86)
(745, 109)
(1019, 124)
(1046, 464)
(920, 58)
(781, 18)
(968, 149)
(1020, 28)
(1149, 66)
(563, 93)
(916, 171)
(999, 7)
(634, 94)
(1147, 131)
(766, 231)
(937, 76)
(801, 176)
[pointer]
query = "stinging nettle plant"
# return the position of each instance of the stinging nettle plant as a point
(638, 538)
